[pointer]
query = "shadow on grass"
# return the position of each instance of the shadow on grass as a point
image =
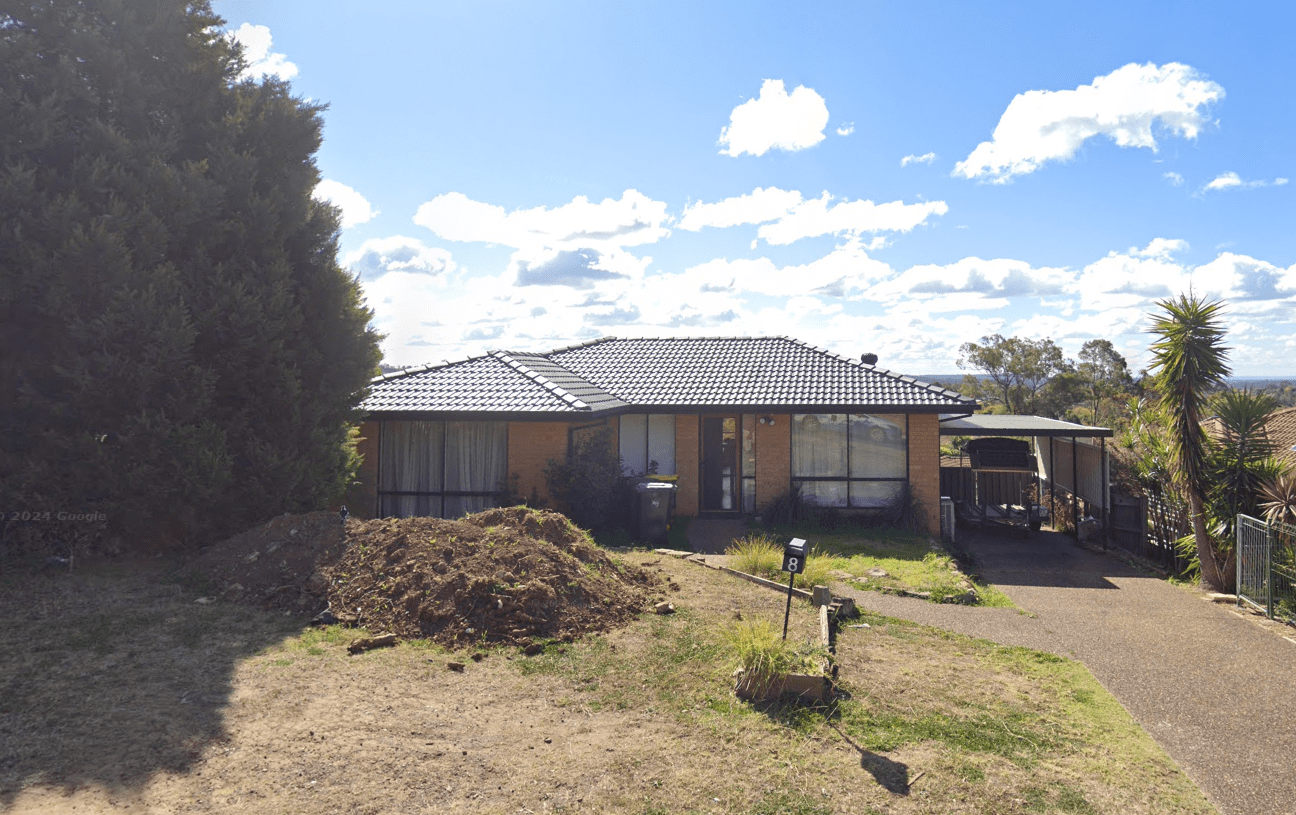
(114, 675)
(892, 775)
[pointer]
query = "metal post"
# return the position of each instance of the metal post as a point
(1075, 490)
(1052, 484)
(1106, 496)
(787, 612)
(1270, 532)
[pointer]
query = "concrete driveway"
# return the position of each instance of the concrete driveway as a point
(1217, 691)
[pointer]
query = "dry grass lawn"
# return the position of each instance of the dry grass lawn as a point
(119, 693)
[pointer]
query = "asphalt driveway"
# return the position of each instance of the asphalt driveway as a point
(1214, 689)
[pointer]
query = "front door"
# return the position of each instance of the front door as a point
(720, 464)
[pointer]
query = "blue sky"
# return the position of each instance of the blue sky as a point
(884, 177)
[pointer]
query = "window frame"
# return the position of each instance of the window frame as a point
(847, 480)
(441, 495)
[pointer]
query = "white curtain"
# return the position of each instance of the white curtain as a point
(409, 456)
(647, 438)
(661, 443)
(476, 458)
(819, 445)
(878, 447)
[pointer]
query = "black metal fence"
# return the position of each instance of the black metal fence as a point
(1266, 567)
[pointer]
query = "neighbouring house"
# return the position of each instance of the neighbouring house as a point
(737, 420)
(1279, 429)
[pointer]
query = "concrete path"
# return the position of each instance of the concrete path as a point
(712, 536)
(1214, 689)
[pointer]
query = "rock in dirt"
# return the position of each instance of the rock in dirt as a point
(456, 666)
(664, 608)
(369, 643)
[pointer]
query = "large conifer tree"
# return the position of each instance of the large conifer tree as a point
(179, 347)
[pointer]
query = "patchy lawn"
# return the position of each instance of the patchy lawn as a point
(118, 691)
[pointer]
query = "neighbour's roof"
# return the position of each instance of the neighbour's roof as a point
(988, 424)
(1281, 430)
(757, 373)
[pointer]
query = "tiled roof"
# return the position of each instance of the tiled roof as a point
(1281, 429)
(608, 374)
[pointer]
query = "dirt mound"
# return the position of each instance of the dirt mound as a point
(276, 565)
(505, 576)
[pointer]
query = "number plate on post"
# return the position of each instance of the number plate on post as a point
(794, 556)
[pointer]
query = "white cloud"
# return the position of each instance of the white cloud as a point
(757, 207)
(775, 119)
(378, 256)
(846, 129)
(816, 217)
(632, 220)
(355, 208)
(1230, 180)
(788, 217)
(1042, 126)
(971, 282)
(256, 42)
(1174, 178)
(925, 158)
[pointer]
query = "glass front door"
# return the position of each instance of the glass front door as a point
(720, 471)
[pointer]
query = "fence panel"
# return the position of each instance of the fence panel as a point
(1266, 567)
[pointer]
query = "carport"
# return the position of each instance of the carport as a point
(1072, 457)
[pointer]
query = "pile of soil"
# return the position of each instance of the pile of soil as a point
(511, 576)
(278, 565)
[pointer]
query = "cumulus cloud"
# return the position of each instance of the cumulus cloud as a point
(632, 220)
(775, 119)
(925, 158)
(818, 216)
(973, 282)
(846, 129)
(1174, 178)
(355, 208)
(261, 62)
(1230, 180)
(1042, 126)
(757, 207)
(378, 256)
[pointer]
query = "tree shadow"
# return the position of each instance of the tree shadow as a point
(892, 775)
(113, 675)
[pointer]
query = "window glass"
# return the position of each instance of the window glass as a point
(819, 445)
(825, 493)
(633, 448)
(876, 494)
(661, 443)
(476, 456)
(749, 445)
(410, 456)
(877, 446)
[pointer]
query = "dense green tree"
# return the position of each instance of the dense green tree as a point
(1190, 361)
(1019, 368)
(181, 350)
(1241, 458)
(1105, 379)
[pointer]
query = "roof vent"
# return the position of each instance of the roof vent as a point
(869, 359)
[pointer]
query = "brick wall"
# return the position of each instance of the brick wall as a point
(687, 446)
(773, 458)
(924, 467)
(362, 498)
(530, 446)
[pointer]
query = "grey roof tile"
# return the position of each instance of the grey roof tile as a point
(609, 374)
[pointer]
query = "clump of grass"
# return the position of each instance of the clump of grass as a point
(756, 554)
(817, 568)
(765, 657)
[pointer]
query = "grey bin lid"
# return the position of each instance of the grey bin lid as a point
(653, 485)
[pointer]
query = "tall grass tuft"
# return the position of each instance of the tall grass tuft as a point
(756, 554)
(765, 657)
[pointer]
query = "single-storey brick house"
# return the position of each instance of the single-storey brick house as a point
(737, 420)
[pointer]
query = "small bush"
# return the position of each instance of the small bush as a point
(766, 657)
(756, 554)
(817, 568)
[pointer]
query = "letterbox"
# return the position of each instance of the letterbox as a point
(794, 556)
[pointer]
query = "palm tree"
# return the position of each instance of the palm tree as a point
(1190, 361)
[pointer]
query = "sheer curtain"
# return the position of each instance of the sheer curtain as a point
(476, 458)
(409, 457)
(819, 451)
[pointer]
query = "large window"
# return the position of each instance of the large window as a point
(850, 460)
(442, 469)
(647, 441)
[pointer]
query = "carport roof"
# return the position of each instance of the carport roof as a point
(986, 424)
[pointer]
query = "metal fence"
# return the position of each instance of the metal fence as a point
(1266, 567)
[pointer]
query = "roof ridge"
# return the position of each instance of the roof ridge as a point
(542, 380)
(585, 344)
(424, 368)
(859, 363)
